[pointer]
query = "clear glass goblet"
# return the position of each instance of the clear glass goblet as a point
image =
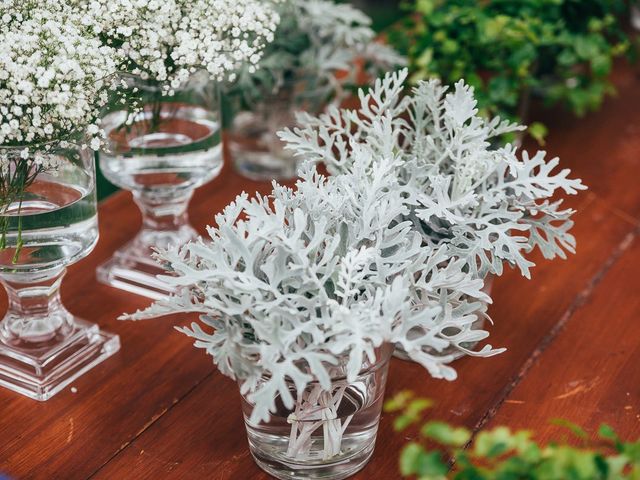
(48, 220)
(254, 146)
(162, 143)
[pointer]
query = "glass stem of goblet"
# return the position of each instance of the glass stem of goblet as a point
(163, 214)
(35, 313)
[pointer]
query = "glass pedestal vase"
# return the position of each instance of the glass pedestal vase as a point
(254, 146)
(161, 146)
(132, 267)
(328, 434)
(48, 222)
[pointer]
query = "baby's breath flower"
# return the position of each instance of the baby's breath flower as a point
(165, 41)
(52, 69)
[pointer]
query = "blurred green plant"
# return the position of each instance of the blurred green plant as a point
(442, 451)
(508, 50)
(321, 43)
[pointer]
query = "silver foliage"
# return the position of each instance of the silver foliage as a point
(485, 202)
(292, 284)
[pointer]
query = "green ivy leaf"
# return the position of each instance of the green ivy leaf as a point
(398, 401)
(409, 458)
(415, 460)
(493, 443)
(425, 7)
(632, 451)
(586, 47)
(403, 421)
(601, 65)
(445, 434)
(572, 427)
(606, 432)
(417, 406)
(538, 132)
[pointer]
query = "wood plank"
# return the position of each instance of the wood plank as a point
(589, 375)
(203, 436)
(73, 434)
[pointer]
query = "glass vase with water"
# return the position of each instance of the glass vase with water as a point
(161, 144)
(48, 220)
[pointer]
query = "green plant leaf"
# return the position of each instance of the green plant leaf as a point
(403, 421)
(606, 432)
(415, 460)
(501, 454)
(417, 406)
(572, 427)
(538, 132)
(398, 401)
(409, 458)
(493, 443)
(446, 434)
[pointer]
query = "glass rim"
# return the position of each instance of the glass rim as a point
(383, 357)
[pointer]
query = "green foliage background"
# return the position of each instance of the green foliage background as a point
(559, 50)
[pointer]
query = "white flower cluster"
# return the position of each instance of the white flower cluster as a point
(320, 41)
(52, 73)
(167, 40)
(482, 201)
(295, 282)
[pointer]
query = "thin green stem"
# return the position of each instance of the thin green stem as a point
(19, 243)
(14, 183)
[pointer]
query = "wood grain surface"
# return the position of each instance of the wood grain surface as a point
(158, 409)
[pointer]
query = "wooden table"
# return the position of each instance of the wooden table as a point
(158, 409)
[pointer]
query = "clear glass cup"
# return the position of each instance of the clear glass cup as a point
(328, 434)
(50, 224)
(161, 145)
(254, 146)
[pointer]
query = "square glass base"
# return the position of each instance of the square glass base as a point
(133, 270)
(40, 373)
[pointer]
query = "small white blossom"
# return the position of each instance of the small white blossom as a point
(95, 144)
(164, 41)
(52, 69)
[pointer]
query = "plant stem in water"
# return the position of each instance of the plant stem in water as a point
(317, 409)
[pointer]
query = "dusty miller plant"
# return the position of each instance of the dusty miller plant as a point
(485, 202)
(305, 284)
(317, 42)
